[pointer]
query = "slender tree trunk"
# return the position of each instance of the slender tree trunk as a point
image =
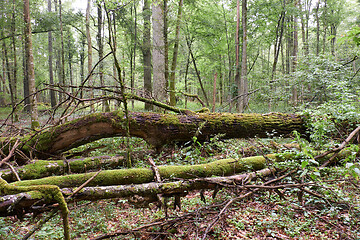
(333, 39)
(237, 57)
(317, 28)
(30, 66)
(133, 52)
(186, 77)
(158, 55)
(166, 46)
(243, 77)
(278, 40)
(27, 107)
(105, 104)
(62, 52)
(8, 71)
(198, 74)
(82, 62)
(175, 54)
(325, 20)
(14, 70)
(89, 47)
(228, 49)
(214, 93)
(147, 53)
(51, 73)
(294, 56)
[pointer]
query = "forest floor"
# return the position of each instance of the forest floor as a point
(286, 213)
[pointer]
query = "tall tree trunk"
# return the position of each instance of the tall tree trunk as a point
(237, 57)
(51, 73)
(133, 52)
(8, 71)
(294, 55)
(278, 40)
(14, 65)
(147, 53)
(306, 8)
(166, 46)
(27, 107)
(158, 55)
(62, 52)
(333, 39)
(89, 47)
(325, 20)
(82, 62)
(175, 54)
(317, 28)
(229, 54)
(105, 104)
(197, 73)
(243, 77)
(30, 66)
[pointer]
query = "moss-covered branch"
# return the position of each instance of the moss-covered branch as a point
(159, 129)
(43, 168)
(224, 167)
(144, 193)
(47, 193)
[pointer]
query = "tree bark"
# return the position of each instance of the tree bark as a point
(51, 72)
(159, 129)
(89, 47)
(243, 74)
(30, 66)
(147, 53)
(175, 54)
(62, 53)
(158, 54)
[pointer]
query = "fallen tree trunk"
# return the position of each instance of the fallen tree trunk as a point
(157, 129)
(223, 167)
(145, 193)
(106, 184)
(41, 168)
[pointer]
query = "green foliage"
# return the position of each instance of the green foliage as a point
(353, 35)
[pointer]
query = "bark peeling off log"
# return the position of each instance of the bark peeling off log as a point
(159, 129)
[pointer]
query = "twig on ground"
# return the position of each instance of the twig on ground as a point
(338, 149)
(11, 152)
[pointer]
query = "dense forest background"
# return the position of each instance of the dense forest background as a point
(255, 56)
(247, 112)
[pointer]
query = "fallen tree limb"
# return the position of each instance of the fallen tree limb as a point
(224, 167)
(158, 129)
(40, 168)
(24, 202)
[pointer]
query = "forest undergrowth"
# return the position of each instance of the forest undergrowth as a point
(303, 203)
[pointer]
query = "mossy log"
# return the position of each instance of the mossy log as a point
(158, 129)
(224, 167)
(140, 194)
(128, 182)
(44, 168)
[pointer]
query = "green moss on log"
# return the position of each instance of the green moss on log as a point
(223, 167)
(41, 168)
(159, 129)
